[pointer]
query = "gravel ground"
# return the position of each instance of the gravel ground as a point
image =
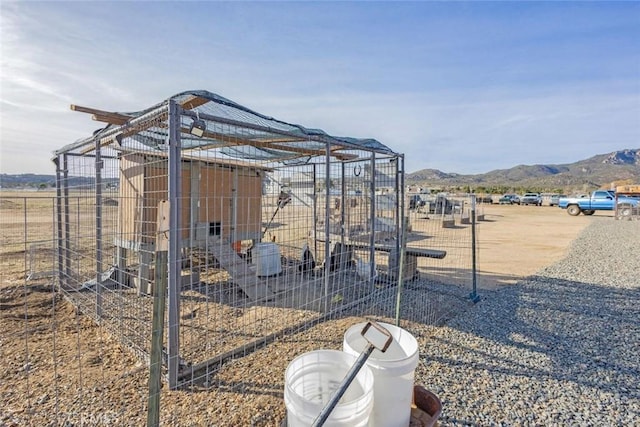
(561, 347)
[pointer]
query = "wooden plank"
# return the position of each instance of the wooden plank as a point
(191, 103)
(101, 115)
(418, 252)
(88, 110)
(114, 119)
(273, 143)
(128, 131)
(188, 104)
(162, 224)
(244, 275)
(157, 331)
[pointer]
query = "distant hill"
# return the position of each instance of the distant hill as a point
(622, 167)
(26, 180)
(31, 180)
(595, 172)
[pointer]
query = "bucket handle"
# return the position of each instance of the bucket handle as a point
(377, 337)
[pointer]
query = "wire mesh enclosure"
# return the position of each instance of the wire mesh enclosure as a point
(252, 228)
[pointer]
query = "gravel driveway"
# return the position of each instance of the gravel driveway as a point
(561, 347)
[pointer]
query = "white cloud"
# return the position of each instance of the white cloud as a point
(439, 88)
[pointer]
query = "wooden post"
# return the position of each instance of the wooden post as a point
(121, 262)
(159, 301)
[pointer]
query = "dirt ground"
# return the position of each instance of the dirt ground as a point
(516, 241)
(58, 367)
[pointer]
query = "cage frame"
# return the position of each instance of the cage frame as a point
(122, 125)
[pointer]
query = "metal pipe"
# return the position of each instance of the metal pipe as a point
(372, 218)
(343, 206)
(402, 184)
(402, 252)
(399, 203)
(59, 221)
(67, 232)
(315, 211)
(327, 235)
(98, 193)
(473, 296)
(351, 375)
(174, 261)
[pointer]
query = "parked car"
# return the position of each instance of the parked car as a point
(531, 199)
(600, 200)
(509, 199)
(553, 201)
(485, 199)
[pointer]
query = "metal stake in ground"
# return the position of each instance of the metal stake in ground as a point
(377, 337)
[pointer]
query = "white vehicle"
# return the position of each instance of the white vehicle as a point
(531, 199)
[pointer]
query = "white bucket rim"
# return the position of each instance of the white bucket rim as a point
(365, 371)
(394, 330)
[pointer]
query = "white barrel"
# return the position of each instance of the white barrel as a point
(393, 373)
(311, 379)
(266, 257)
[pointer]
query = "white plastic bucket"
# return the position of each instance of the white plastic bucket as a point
(266, 257)
(311, 379)
(393, 373)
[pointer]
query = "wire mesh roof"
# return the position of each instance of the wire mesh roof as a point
(231, 130)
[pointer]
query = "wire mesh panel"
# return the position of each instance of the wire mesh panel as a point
(27, 246)
(107, 223)
(251, 230)
(57, 367)
(272, 225)
(264, 239)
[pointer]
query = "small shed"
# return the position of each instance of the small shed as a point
(220, 199)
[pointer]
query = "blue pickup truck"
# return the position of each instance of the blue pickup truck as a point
(600, 200)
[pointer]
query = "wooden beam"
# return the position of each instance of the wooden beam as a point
(127, 131)
(101, 115)
(194, 102)
(282, 139)
(114, 119)
(228, 140)
(188, 104)
(89, 110)
(82, 109)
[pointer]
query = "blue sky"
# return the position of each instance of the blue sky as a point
(460, 87)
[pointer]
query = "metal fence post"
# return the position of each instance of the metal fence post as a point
(473, 296)
(174, 261)
(99, 266)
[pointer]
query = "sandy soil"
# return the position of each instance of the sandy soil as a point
(58, 367)
(516, 241)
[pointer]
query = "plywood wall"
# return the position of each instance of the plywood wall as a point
(225, 194)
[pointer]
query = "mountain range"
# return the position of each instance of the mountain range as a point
(600, 171)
